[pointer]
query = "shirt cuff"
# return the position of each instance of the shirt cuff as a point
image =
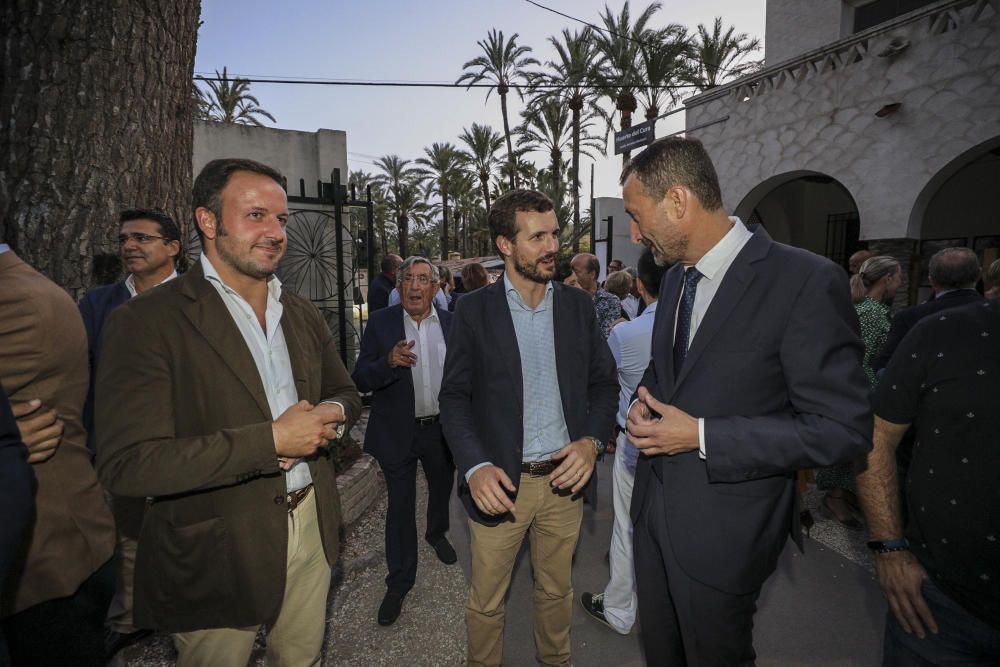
(701, 437)
(342, 426)
(474, 469)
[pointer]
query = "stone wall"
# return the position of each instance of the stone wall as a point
(816, 113)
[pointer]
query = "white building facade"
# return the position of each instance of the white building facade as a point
(874, 123)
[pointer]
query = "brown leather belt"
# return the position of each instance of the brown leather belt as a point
(295, 498)
(538, 468)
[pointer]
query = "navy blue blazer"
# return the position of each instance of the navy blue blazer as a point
(775, 370)
(378, 293)
(482, 393)
(17, 489)
(95, 306)
(391, 422)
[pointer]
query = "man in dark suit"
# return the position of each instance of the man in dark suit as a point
(756, 373)
(217, 394)
(529, 390)
(383, 283)
(149, 243)
(17, 489)
(401, 361)
(953, 273)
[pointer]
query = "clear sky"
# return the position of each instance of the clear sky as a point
(404, 40)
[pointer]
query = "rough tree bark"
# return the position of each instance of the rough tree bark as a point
(95, 117)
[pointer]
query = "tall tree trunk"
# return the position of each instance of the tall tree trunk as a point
(484, 178)
(444, 223)
(456, 219)
(403, 226)
(502, 90)
(626, 105)
(92, 120)
(576, 108)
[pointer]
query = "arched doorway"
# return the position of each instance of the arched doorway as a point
(959, 206)
(806, 209)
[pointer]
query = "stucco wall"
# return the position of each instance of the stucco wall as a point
(817, 113)
(792, 27)
(297, 155)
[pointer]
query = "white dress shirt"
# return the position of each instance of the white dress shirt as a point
(430, 350)
(269, 351)
(630, 344)
(713, 267)
(130, 282)
(630, 304)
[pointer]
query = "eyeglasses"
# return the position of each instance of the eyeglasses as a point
(141, 239)
(422, 280)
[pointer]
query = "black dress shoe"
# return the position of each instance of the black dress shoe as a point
(594, 605)
(391, 605)
(445, 552)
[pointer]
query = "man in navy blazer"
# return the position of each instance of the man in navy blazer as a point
(383, 283)
(529, 390)
(756, 373)
(401, 361)
(149, 242)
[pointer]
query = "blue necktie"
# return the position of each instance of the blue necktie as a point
(691, 278)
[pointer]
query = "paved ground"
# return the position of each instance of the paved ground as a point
(820, 608)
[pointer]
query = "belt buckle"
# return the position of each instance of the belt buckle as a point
(539, 468)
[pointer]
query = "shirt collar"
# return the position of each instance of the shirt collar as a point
(513, 293)
(723, 252)
(130, 282)
(273, 283)
(4, 248)
(648, 310)
(433, 316)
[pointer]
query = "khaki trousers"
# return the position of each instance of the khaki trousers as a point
(296, 639)
(552, 521)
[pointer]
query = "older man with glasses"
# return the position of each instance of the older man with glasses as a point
(401, 362)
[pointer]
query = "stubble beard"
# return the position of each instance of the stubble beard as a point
(245, 264)
(530, 271)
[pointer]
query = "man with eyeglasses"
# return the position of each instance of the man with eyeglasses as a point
(149, 243)
(402, 361)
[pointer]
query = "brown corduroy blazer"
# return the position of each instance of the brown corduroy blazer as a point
(182, 418)
(43, 354)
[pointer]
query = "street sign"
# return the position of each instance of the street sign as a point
(634, 137)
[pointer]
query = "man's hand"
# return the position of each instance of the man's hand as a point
(41, 429)
(487, 486)
(900, 576)
(331, 413)
(578, 458)
(301, 430)
(674, 432)
(400, 354)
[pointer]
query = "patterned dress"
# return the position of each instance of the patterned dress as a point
(608, 308)
(873, 316)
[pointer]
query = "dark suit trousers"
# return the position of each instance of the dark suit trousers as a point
(429, 448)
(684, 622)
(66, 631)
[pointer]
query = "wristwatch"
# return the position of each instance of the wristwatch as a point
(887, 546)
(599, 446)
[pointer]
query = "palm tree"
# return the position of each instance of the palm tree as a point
(664, 62)
(502, 64)
(396, 175)
(547, 127)
(621, 66)
(230, 101)
(440, 168)
(714, 56)
(483, 144)
(199, 102)
(408, 203)
(575, 68)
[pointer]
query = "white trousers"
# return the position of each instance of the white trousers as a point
(619, 594)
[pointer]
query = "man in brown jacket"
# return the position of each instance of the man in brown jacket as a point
(217, 394)
(61, 581)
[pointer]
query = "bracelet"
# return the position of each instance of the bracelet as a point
(887, 546)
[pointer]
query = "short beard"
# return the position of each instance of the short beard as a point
(244, 265)
(531, 272)
(667, 256)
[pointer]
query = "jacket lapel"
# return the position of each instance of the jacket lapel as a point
(663, 330)
(290, 326)
(564, 331)
(734, 285)
(210, 317)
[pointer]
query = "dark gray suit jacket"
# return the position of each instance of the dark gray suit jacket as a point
(482, 391)
(775, 370)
